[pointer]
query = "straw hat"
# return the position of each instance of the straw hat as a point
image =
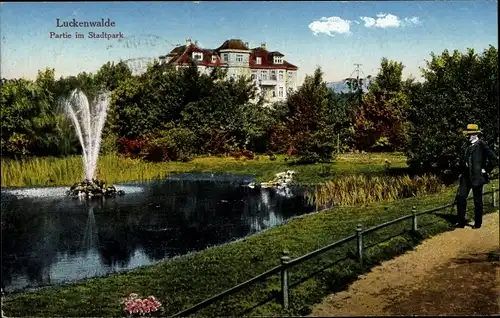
(472, 129)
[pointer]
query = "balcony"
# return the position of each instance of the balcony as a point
(271, 81)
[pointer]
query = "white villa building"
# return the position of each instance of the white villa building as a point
(273, 76)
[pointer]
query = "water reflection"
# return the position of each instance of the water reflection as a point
(90, 238)
(49, 239)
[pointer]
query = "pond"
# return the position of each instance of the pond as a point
(49, 239)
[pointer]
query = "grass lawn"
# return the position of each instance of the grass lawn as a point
(184, 281)
(115, 169)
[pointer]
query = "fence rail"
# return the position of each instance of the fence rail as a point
(286, 262)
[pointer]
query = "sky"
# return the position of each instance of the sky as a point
(333, 35)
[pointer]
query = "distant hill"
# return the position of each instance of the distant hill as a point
(341, 86)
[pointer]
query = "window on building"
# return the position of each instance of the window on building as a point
(258, 60)
(290, 74)
(225, 57)
(263, 75)
(239, 58)
(273, 75)
(214, 58)
(198, 56)
(254, 75)
(281, 75)
(281, 92)
(278, 60)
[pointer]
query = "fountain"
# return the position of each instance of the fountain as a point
(88, 125)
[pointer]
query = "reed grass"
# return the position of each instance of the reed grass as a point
(115, 169)
(66, 171)
(361, 189)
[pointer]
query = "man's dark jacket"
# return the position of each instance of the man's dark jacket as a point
(476, 157)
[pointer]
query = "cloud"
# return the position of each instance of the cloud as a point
(330, 26)
(412, 20)
(384, 21)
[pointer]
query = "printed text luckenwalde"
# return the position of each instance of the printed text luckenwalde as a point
(85, 24)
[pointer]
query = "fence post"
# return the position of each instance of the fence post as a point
(359, 237)
(284, 279)
(414, 218)
(494, 194)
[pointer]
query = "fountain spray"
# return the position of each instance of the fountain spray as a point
(88, 123)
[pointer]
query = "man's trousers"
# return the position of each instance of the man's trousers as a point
(463, 191)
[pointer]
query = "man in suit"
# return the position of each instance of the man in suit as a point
(477, 161)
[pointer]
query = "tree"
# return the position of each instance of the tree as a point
(314, 119)
(143, 104)
(459, 88)
(380, 118)
(222, 116)
(110, 75)
(27, 117)
(357, 87)
(487, 103)
(108, 78)
(217, 110)
(50, 139)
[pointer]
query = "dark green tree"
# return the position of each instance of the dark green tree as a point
(459, 88)
(313, 122)
(380, 119)
(143, 104)
(222, 116)
(110, 75)
(27, 116)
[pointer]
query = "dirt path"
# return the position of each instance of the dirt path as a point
(454, 273)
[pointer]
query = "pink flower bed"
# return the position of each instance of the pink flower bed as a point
(134, 305)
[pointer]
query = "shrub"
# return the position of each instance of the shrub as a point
(236, 154)
(319, 147)
(292, 151)
(16, 145)
(156, 151)
(271, 155)
(382, 145)
(132, 148)
(220, 142)
(176, 144)
(248, 154)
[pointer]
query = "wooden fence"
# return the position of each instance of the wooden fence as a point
(287, 262)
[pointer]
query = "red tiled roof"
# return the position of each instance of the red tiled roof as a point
(177, 50)
(183, 54)
(276, 53)
(267, 60)
(187, 54)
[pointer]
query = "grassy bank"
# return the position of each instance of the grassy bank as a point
(184, 281)
(115, 169)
